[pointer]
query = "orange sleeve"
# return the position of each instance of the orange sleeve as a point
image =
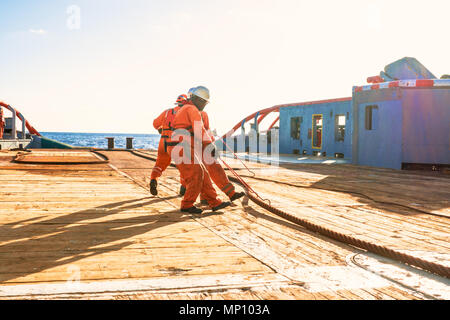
(158, 122)
(206, 124)
(195, 116)
(205, 120)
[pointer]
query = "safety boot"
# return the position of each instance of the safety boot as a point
(154, 187)
(237, 195)
(221, 206)
(192, 210)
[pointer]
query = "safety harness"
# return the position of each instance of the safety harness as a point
(170, 120)
(167, 127)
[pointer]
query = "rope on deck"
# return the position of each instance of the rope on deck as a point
(432, 267)
(374, 248)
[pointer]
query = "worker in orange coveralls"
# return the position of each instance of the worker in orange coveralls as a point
(215, 170)
(2, 123)
(189, 132)
(164, 125)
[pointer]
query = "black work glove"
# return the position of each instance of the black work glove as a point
(160, 131)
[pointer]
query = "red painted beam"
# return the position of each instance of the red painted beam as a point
(274, 123)
(27, 124)
(265, 112)
(261, 118)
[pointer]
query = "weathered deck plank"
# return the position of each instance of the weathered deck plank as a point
(91, 219)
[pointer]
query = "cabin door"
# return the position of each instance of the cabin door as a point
(317, 131)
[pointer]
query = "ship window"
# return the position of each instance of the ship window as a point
(371, 117)
(295, 127)
(339, 125)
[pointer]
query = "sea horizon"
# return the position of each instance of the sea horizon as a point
(100, 133)
(98, 140)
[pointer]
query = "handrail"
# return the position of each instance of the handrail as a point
(264, 112)
(274, 123)
(25, 123)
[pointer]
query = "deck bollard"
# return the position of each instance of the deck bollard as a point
(130, 143)
(110, 143)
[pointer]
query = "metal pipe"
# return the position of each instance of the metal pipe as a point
(242, 127)
(273, 123)
(256, 124)
(1, 124)
(23, 124)
(262, 117)
(13, 129)
(24, 129)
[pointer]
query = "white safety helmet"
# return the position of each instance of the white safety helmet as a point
(201, 92)
(191, 90)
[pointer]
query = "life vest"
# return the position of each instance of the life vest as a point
(185, 119)
(167, 127)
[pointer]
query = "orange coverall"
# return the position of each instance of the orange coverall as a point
(215, 170)
(195, 175)
(163, 122)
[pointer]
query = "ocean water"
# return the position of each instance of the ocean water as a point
(98, 140)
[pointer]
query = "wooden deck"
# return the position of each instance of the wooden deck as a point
(93, 231)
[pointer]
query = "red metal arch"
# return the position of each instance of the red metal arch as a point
(30, 128)
(262, 114)
(265, 112)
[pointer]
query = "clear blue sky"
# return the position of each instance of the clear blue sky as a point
(130, 59)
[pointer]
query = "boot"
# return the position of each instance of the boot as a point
(182, 190)
(221, 206)
(237, 196)
(154, 187)
(192, 210)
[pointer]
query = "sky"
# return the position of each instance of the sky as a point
(112, 66)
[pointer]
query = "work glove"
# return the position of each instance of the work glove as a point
(160, 131)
